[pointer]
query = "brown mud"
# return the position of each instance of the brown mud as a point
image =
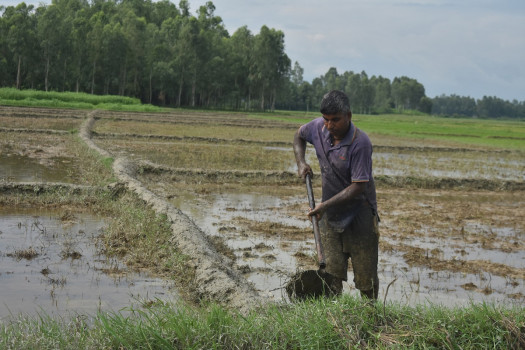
(432, 241)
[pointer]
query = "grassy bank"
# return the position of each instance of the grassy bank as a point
(345, 323)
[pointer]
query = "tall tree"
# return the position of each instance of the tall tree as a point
(407, 93)
(272, 65)
(21, 35)
(240, 47)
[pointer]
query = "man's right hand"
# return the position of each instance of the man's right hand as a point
(303, 169)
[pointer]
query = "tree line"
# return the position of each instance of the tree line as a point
(162, 54)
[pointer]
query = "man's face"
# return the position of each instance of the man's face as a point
(337, 124)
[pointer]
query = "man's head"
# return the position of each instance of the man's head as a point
(335, 108)
(335, 102)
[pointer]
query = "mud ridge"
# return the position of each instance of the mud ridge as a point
(380, 148)
(85, 134)
(449, 183)
(287, 177)
(193, 139)
(35, 131)
(42, 187)
(252, 123)
(211, 175)
(214, 278)
(39, 112)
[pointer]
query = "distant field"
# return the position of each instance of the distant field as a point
(425, 129)
(391, 129)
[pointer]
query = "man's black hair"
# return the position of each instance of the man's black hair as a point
(335, 102)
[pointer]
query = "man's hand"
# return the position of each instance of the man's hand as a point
(318, 211)
(303, 169)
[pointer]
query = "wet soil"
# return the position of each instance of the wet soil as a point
(37, 158)
(436, 244)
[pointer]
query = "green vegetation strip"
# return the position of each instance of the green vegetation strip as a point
(344, 323)
(464, 131)
(475, 132)
(78, 100)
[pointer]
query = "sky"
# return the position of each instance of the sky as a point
(470, 48)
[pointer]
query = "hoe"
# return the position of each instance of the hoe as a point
(311, 283)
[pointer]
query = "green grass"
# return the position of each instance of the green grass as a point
(36, 98)
(477, 132)
(491, 133)
(344, 323)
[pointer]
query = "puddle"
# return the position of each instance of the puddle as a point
(270, 267)
(49, 263)
(16, 168)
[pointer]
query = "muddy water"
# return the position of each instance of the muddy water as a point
(26, 169)
(266, 259)
(269, 258)
(450, 165)
(49, 262)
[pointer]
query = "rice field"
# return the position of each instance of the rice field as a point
(450, 192)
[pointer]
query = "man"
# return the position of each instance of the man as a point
(348, 211)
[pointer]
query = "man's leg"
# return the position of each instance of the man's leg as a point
(361, 240)
(336, 260)
(370, 294)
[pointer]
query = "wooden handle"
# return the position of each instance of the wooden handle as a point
(317, 233)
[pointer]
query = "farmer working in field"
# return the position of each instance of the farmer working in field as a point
(348, 211)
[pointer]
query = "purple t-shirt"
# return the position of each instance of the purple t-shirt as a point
(347, 162)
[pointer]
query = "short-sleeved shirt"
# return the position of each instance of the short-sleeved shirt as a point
(341, 165)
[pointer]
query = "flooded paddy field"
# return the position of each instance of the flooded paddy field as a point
(51, 263)
(28, 156)
(438, 246)
(446, 237)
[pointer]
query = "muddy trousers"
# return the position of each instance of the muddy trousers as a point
(359, 242)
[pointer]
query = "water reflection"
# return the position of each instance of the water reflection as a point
(19, 168)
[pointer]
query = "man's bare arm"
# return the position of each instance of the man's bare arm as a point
(343, 197)
(299, 149)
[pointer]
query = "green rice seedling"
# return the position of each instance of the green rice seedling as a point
(69, 97)
(499, 134)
